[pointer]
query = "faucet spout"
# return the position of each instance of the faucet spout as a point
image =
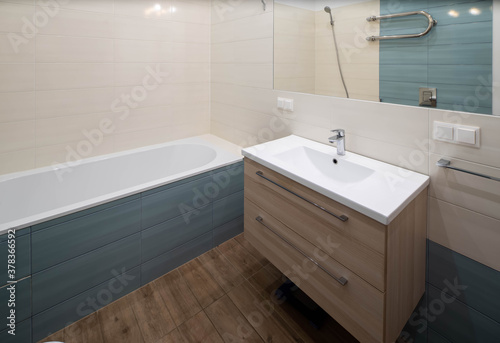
(340, 139)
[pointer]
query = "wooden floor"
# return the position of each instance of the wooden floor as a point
(225, 295)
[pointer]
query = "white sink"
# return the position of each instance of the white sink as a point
(376, 189)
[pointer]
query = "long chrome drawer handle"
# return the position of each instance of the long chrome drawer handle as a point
(340, 280)
(342, 217)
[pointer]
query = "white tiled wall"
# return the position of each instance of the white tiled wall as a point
(85, 55)
(463, 209)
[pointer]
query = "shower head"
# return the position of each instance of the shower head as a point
(329, 11)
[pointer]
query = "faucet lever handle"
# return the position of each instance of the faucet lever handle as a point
(340, 132)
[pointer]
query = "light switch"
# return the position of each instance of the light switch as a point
(443, 131)
(289, 105)
(281, 103)
(466, 135)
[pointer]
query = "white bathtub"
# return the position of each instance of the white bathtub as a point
(32, 197)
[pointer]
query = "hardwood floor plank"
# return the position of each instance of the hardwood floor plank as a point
(251, 249)
(227, 245)
(202, 284)
(118, 323)
(84, 330)
(55, 337)
(151, 313)
(173, 337)
(176, 294)
(242, 260)
(230, 322)
(261, 313)
(221, 270)
(199, 329)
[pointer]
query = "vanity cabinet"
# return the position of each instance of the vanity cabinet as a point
(368, 276)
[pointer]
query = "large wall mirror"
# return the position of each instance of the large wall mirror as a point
(321, 47)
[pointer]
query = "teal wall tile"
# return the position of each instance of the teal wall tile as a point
(170, 203)
(67, 240)
(481, 283)
(400, 90)
(392, 7)
(464, 95)
(478, 32)
(23, 333)
(227, 209)
(83, 304)
(167, 262)
(406, 102)
(175, 232)
(441, 12)
(458, 322)
(402, 73)
(85, 212)
(22, 262)
(227, 231)
(22, 300)
(472, 75)
(473, 54)
(67, 279)
(402, 54)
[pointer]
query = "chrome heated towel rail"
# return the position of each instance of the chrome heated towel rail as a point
(432, 23)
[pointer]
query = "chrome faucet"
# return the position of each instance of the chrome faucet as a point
(340, 139)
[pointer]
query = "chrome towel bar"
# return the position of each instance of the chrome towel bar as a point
(447, 164)
(342, 217)
(340, 280)
(432, 23)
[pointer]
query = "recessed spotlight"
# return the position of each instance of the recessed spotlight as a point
(157, 7)
(453, 14)
(475, 11)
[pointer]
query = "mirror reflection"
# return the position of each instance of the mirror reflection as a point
(361, 49)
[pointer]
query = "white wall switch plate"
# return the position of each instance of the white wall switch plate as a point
(467, 135)
(281, 103)
(288, 105)
(444, 131)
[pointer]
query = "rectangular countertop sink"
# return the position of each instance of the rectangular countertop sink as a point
(376, 189)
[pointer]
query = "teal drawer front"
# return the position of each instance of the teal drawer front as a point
(66, 280)
(175, 232)
(22, 263)
(72, 238)
(22, 296)
(228, 209)
(163, 264)
(228, 181)
(171, 203)
(83, 304)
(23, 333)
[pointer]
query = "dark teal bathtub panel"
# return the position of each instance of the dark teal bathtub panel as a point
(23, 333)
(168, 235)
(67, 279)
(175, 184)
(167, 262)
(228, 230)
(83, 304)
(415, 329)
(227, 209)
(82, 213)
(170, 203)
(481, 283)
(22, 262)
(19, 233)
(458, 322)
(22, 301)
(65, 241)
(228, 181)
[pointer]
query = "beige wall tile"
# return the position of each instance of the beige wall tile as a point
(60, 76)
(465, 190)
(12, 162)
(17, 136)
(102, 6)
(15, 51)
(251, 75)
(464, 231)
(17, 106)
(228, 11)
(17, 77)
(60, 49)
(489, 152)
(11, 17)
(129, 74)
(252, 51)
(259, 26)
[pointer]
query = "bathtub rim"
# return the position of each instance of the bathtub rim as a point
(210, 140)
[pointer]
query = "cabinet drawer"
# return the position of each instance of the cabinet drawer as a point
(358, 243)
(357, 306)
